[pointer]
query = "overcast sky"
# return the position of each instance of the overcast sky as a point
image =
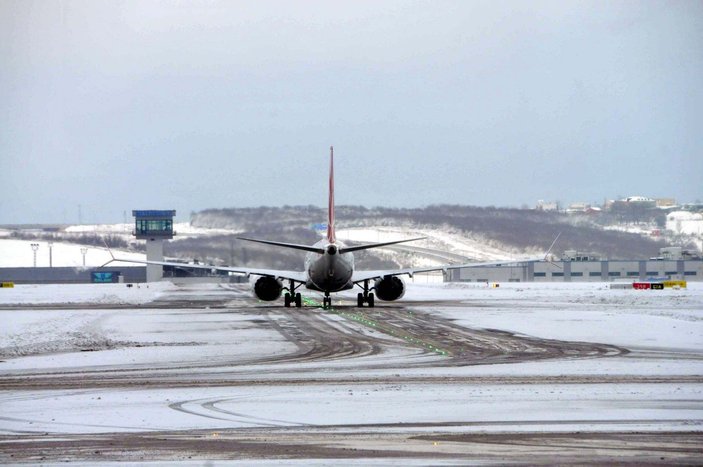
(183, 105)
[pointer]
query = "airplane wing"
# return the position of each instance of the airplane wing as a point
(360, 276)
(298, 276)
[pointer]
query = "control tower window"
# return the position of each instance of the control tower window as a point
(146, 227)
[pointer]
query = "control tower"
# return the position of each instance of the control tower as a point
(154, 226)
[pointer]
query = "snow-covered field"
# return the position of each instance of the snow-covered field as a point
(19, 253)
(108, 358)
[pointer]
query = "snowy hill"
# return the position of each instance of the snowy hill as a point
(452, 234)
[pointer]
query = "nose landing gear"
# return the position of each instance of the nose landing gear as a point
(326, 301)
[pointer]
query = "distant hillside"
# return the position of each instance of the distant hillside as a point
(514, 230)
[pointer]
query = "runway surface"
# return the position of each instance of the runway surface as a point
(454, 374)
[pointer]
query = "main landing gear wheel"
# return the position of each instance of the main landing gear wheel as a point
(292, 297)
(365, 297)
(289, 299)
(361, 299)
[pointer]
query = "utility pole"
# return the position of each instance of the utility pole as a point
(83, 252)
(35, 247)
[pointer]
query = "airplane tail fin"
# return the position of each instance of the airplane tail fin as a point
(331, 237)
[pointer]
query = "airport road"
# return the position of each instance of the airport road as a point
(211, 374)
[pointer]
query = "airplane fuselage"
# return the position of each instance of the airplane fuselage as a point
(331, 271)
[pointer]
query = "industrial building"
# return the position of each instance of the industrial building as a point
(73, 275)
(673, 263)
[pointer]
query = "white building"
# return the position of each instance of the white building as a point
(547, 205)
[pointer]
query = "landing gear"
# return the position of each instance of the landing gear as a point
(292, 297)
(296, 299)
(326, 301)
(365, 297)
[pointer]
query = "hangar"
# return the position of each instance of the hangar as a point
(586, 268)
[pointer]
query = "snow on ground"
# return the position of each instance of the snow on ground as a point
(579, 311)
(542, 407)
(644, 229)
(646, 320)
(19, 254)
(104, 338)
(664, 329)
(83, 293)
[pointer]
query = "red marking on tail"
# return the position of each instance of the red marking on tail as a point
(330, 207)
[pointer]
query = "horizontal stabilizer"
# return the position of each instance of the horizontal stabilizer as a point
(349, 249)
(294, 246)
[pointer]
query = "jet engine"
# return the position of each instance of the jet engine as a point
(267, 288)
(389, 288)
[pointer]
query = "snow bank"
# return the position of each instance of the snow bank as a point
(42, 294)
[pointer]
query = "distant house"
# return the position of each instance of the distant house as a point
(547, 205)
(642, 201)
(578, 208)
(665, 203)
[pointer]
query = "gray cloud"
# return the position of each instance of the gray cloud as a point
(122, 105)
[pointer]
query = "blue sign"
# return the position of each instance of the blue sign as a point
(103, 277)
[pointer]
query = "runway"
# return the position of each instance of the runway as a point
(455, 374)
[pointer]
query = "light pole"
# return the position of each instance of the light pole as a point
(51, 263)
(35, 247)
(83, 252)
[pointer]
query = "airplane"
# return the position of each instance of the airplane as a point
(329, 268)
